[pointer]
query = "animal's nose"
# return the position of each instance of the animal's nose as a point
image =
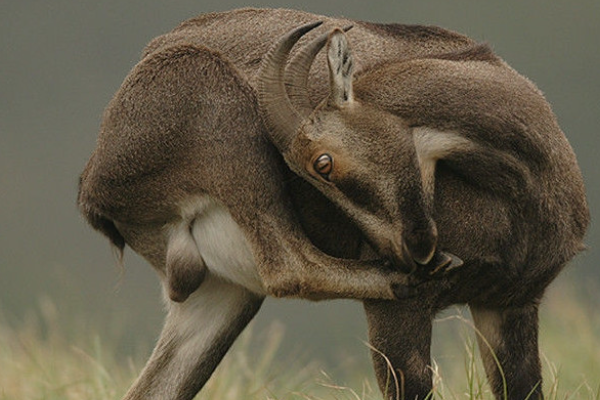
(416, 251)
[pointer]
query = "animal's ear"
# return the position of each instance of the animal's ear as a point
(341, 68)
(433, 145)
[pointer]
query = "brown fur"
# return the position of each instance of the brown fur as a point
(511, 203)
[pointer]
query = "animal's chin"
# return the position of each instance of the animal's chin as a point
(401, 260)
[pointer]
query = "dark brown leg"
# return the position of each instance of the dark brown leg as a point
(400, 333)
(508, 341)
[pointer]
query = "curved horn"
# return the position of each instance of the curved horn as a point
(296, 74)
(281, 118)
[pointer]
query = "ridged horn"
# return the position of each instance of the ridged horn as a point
(296, 74)
(280, 116)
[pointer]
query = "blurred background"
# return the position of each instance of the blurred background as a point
(60, 63)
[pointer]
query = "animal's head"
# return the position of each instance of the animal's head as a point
(362, 158)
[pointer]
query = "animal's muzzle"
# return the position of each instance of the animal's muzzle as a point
(416, 251)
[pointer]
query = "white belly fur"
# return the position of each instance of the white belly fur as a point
(222, 244)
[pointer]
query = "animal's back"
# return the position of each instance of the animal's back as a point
(244, 36)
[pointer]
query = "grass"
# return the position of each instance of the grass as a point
(40, 360)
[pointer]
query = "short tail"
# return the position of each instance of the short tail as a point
(108, 228)
(98, 221)
(105, 226)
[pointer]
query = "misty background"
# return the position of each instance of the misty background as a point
(60, 63)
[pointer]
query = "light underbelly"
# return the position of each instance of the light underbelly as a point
(224, 247)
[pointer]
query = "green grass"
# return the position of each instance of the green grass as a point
(42, 359)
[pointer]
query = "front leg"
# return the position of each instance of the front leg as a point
(508, 342)
(289, 265)
(400, 336)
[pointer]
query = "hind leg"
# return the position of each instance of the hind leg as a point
(509, 348)
(400, 333)
(196, 335)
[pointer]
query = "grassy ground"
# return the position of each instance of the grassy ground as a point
(39, 360)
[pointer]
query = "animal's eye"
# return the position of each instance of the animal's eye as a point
(324, 165)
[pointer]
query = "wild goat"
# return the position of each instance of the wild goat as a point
(238, 177)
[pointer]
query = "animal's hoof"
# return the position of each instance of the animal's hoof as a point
(441, 263)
